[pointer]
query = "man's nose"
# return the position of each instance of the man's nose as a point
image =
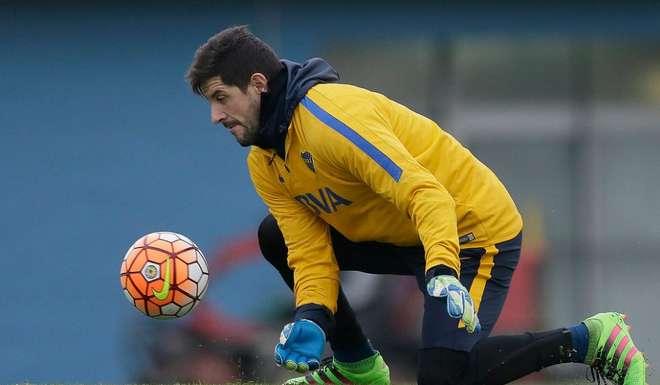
(217, 115)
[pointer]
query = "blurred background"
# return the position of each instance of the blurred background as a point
(101, 141)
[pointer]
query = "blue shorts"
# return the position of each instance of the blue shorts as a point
(486, 272)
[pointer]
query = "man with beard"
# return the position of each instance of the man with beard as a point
(356, 181)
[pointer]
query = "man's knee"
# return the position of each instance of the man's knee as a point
(271, 241)
(441, 366)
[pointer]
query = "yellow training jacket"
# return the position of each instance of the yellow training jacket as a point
(375, 171)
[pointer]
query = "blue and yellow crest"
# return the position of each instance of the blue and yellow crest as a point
(309, 161)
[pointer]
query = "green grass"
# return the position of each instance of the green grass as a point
(576, 381)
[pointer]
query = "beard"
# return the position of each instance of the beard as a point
(248, 126)
(249, 137)
(251, 125)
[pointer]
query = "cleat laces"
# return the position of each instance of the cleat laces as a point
(327, 365)
(597, 376)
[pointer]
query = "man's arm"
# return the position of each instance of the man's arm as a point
(310, 254)
(315, 271)
(362, 143)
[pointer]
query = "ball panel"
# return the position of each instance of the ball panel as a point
(128, 296)
(130, 253)
(201, 286)
(189, 287)
(180, 271)
(140, 305)
(180, 246)
(147, 239)
(187, 240)
(150, 271)
(170, 309)
(152, 309)
(122, 269)
(201, 295)
(202, 262)
(133, 290)
(122, 280)
(185, 309)
(194, 272)
(163, 317)
(137, 261)
(162, 245)
(139, 283)
(137, 244)
(157, 255)
(181, 299)
(168, 236)
(188, 256)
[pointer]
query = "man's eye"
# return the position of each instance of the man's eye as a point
(220, 98)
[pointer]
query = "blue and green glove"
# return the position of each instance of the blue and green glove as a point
(302, 341)
(459, 302)
(301, 345)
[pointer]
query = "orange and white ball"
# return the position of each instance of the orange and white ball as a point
(164, 275)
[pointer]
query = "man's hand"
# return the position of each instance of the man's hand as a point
(301, 345)
(459, 302)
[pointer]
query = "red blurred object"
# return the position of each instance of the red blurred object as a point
(241, 249)
(214, 325)
(521, 310)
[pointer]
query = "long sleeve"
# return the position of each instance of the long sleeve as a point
(307, 237)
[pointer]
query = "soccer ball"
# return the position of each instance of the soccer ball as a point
(164, 275)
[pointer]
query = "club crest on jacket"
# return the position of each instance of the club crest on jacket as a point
(309, 161)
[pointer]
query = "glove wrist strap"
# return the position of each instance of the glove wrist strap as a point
(440, 270)
(318, 314)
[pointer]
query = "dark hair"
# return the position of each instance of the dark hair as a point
(234, 54)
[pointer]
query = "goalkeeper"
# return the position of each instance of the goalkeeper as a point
(355, 181)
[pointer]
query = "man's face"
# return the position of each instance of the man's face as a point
(238, 111)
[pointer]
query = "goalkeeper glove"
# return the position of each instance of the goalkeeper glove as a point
(459, 302)
(302, 341)
(301, 345)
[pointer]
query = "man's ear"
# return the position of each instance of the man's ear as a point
(259, 81)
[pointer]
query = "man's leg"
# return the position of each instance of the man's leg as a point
(444, 357)
(478, 359)
(602, 341)
(493, 360)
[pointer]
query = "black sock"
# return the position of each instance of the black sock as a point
(349, 343)
(502, 359)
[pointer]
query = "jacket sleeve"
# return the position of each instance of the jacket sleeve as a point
(307, 237)
(358, 139)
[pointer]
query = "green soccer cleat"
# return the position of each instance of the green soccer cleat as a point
(370, 371)
(611, 352)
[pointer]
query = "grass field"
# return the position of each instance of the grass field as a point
(582, 381)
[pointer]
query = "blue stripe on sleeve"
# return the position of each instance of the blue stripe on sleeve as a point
(374, 153)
